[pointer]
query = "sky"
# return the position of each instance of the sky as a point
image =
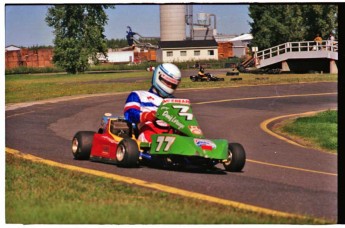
(25, 24)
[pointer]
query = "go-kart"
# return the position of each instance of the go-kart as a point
(206, 77)
(116, 142)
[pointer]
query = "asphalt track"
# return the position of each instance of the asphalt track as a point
(278, 175)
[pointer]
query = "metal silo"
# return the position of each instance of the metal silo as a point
(172, 22)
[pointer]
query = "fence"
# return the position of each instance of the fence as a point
(303, 46)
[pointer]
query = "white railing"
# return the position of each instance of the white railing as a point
(303, 46)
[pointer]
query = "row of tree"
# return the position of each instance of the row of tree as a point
(79, 29)
(275, 24)
(110, 43)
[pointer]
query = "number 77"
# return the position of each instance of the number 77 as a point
(169, 141)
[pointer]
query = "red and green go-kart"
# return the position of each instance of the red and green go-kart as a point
(116, 142)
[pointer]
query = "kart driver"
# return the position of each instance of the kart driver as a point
(141, 106)
(201, 72)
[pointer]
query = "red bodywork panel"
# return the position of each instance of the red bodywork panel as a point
(104, 146)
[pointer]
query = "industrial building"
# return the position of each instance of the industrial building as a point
(239, 44)
(17, 57)
(201, 44)
(187, 50)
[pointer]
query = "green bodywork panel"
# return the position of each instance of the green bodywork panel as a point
(179, 116)
(191, 142)
(164, 144)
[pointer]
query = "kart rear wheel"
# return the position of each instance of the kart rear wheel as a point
(236, 158)
(82, 144)
(127, 153)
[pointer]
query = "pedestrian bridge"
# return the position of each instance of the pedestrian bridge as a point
(302, 56)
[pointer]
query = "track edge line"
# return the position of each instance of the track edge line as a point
(264, 126)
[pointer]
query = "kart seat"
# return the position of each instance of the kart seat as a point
(120, 128)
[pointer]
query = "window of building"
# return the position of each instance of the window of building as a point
(210, 52)
(196, 53)
(183, 53)
(169, 53)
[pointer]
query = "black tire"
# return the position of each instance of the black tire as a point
(127, 153)
(241, 69)
(82, 144)
(193, 79)
(236, 158)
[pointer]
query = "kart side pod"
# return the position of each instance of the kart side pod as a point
(189, 146)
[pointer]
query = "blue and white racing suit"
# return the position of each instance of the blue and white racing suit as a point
(138, 103)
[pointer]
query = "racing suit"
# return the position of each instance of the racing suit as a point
(141, 104)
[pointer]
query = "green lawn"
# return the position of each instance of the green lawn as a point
(318, 131)
(23, 88)
(41, 194)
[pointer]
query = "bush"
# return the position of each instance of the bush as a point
(32, 70)
(210, 64)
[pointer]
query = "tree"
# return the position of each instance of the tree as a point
(321, 19)
(116, 43)
(276, 24)
(78, 33)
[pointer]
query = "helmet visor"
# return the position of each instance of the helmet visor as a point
(168, 81)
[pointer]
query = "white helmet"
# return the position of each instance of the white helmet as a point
(166, 78)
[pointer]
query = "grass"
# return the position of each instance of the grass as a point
(40, 194)
(319, 131)
(24, 88)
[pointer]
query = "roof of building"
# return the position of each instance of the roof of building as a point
(243, 37)
(223, 38)
(188, 44)
(12, 48)
(232, 38)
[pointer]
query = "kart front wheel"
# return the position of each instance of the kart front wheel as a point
(236, 158)
(127, 153)
(82, 144)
